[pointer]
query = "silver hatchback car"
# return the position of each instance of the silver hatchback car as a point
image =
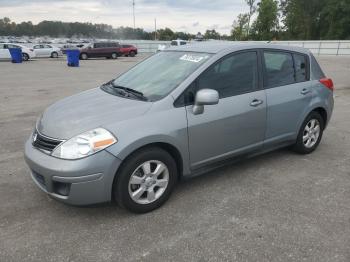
(177, 114)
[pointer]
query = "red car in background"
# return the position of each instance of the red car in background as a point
(128, 50)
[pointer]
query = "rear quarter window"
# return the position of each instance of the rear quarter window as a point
(300, 63)
(316, 70)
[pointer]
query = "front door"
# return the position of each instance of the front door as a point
(237, 124)
(39, 50)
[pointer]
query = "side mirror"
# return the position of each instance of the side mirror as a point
(203, 98)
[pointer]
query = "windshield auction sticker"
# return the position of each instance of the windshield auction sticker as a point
(193, 58)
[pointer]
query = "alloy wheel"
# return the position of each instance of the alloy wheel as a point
(148, 182)
(311, 133)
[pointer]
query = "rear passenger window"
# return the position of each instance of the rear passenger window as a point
(300, 63)
(234, 75)
(279, 69)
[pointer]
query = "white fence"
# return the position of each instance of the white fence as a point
(322, 47)
(316, 47)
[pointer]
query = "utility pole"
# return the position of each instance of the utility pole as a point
(155, 29)
(133, 12)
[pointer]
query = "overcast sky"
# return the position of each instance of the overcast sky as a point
(180, 15)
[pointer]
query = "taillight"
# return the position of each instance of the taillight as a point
(327, 82)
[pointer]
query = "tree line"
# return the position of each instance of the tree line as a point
(265, 20)
(293, 20)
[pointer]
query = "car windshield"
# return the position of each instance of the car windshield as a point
(158, 75)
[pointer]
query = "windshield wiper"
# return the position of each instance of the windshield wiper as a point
(127, 91)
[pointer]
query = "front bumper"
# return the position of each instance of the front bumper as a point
(77, 182)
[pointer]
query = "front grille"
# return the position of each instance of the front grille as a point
(45, 143)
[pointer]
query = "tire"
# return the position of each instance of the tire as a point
(132, 53)
(84, 56)
(310, 134)
(54, 55)
(114, 55)
(142, 185)
(25, 56)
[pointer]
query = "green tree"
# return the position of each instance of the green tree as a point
(166, 34)
(240, 27)
(335, 20)
(302, 18)
(266, 24)
(252, 9)
(211, 34)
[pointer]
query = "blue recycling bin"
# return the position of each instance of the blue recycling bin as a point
(16, 55)
(73, 57)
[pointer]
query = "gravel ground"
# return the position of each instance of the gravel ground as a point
(276, 207)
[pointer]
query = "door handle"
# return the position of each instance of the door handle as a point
(256, 102)
(305, 91)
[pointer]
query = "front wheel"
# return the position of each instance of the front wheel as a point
(145, 180)
(114, 56)
(132, 53)
(310, 134)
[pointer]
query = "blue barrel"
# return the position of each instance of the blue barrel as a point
(73, 57)
(16, 55)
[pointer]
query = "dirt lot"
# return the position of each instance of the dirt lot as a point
(276, 207)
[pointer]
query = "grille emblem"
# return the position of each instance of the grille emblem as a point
(35, 136)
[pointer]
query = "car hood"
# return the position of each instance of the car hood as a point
(86, 111)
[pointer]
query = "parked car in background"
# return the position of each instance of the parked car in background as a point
(178, 114)
(27, 53)
(128, 50)
(177, 42)
(102, 49)
(46, 50)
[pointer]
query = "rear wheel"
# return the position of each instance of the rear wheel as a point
(310, 134)
(114, 56)
(146, 180)
(54, 55)
(84, 56)
(25, 56)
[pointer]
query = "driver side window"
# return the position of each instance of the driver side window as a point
(234, 75)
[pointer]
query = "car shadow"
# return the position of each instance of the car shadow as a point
(231, 172)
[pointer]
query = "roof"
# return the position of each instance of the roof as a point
(215, 47)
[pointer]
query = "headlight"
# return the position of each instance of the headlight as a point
(85, 144)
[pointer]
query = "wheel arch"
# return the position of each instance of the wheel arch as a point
(168, 147)
(323, 113)
(171, 149)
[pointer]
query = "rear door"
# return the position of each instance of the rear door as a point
(288, 91)
(237, 124)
